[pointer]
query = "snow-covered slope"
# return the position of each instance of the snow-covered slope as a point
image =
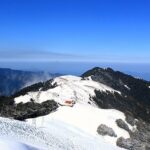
(68, 87)
(11, 145)
(56, 136)
(86, 119)
(83, 118)
(78, 121)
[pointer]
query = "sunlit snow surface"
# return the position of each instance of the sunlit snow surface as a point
(12, 145)
(70, 128)
(56, 136)
(69, 87)
(85, 119)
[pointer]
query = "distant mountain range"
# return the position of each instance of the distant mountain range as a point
(14, 80)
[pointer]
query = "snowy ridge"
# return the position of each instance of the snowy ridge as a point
(68, 87)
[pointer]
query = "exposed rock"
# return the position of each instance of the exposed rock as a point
(122, 125)
(104, 130)
(130, 144)
(142, 133)
(130, 119)
(139, 139)
(147, 147)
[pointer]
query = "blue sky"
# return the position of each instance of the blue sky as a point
(75, 30)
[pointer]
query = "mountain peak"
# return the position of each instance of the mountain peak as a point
(97, 70)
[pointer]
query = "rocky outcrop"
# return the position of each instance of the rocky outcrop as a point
(139, 138)
(130, 119)
(104, 130)
(122, 125)
(130, 144)
(142, 133)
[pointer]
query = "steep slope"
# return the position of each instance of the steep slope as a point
(135, 93)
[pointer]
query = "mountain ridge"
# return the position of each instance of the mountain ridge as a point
(104, 104)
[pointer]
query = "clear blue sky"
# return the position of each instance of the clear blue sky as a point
(75, 30)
